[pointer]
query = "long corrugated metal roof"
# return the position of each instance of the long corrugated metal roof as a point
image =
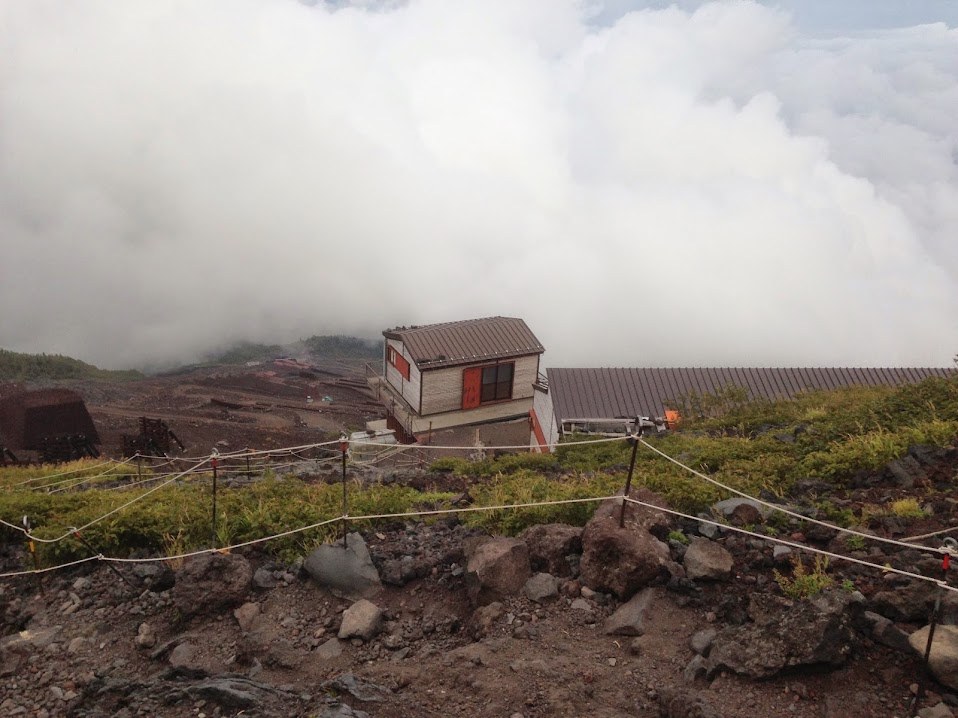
(625, 393)
(465, 342)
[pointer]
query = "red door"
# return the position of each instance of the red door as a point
(471, 387)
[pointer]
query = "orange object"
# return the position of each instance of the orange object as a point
(672, 418)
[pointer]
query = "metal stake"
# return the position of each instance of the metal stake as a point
(344, 444)
(109, 565)
(215, 462)
(36, 559)
(634, 440)
(248, 472)
(949, 544)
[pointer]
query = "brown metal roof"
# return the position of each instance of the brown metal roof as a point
(625, 393)
(465, 342)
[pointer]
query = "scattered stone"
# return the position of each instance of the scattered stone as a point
(182, 656)
(580, 604)
(701, 642)
(943, 660)
(156, 576)
(705, 559)
(542, 587)
(230, 692)
(358, 688)
(211, 582)
(696, 668)
(635, 647)
(939, 711)
(675, 703)
(745, 514)
(728, 507)
(333, 648)
(347, 572)
(497, 569)
(887, 633)
(264, 579)
(550, 545)
(628, 620)
(246, 615)
(76, 645)
(361, 620)
(19, 647)
(340, 710)
(485, 617)
(145, 638)
(81, 583)
(906, 471)
(781, 554)
(911, 603)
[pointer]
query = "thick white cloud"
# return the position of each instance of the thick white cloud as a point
(700, 186)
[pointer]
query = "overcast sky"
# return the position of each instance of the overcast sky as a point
(645, 183)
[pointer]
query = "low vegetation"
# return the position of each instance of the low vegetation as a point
(803, 583)
(753, 447)
(17, 367)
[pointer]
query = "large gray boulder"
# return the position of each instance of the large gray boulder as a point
(785, 634)
(498, 568)
(623, 560)
(550, 545)
(211, 582)
(943, 660)
(705, 559)
(347, 572)
(361, 620)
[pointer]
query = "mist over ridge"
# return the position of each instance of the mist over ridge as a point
(699, 184)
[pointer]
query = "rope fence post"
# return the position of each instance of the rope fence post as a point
(248, 472)
(31, 544)
(215, 462)
(344, 445)
(949, 545)
(634, 440)
(96, 553)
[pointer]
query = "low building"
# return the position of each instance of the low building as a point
(604, 400)
(479, 377)
(53, 424)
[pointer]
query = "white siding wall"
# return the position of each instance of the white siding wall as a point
(442, 388)
(545, 413)
(409, 390)
(487, 412)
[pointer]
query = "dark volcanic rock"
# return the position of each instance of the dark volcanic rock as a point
(623, 560)
(497, 569)
(550, 544)
(785, 634)
(211, 582)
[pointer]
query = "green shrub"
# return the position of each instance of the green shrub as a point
(803, 584)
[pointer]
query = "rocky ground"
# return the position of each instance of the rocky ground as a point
(434, 619)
